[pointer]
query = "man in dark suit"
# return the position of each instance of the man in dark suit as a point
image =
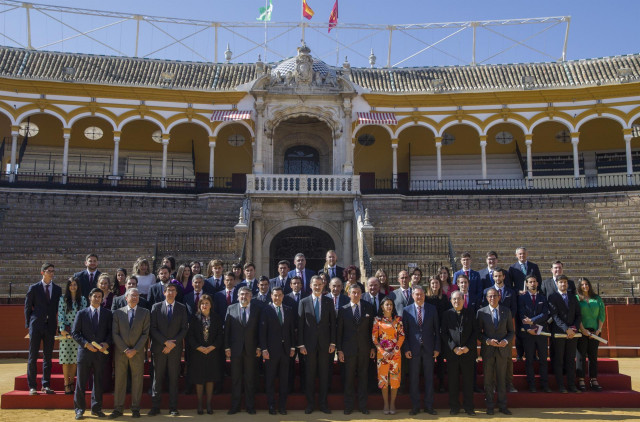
(121, 301)
(277, 341)
(156, 292)
(355, 347)
(509, 299)
(495, 328)
(421, 346)
(215, 283)
(305, 274)
(192, 298)
(241, 347)
(40, 310)
(486, 274)
(374, 296)
(225, 298)
(131, 326)
(282, 280)
(402, 296)
(521, 269)
(565, 311)
(316, 339)
(92, 331)
(533, 312)
(459, 340)
(264, 294)
(475, 284)
(294, 297)
(330, 266)
(336, 294)
(88, 278)
(550, 285)
(472, 303)
(250, 279)
(169, 323)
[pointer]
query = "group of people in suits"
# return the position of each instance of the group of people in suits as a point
(264, 325)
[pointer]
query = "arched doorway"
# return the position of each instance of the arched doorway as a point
(301, 159)
(312, 242)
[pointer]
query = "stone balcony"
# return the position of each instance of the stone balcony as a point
(303, 184)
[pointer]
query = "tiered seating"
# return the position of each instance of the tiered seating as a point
(455, 167)
(616, 162)
(554, 165)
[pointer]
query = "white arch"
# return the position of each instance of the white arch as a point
(74, 119)
(242, 122)
(518, 123)
(45, 111)
(596, 116)
(631, 120)
(357, 128)
(461, 122)
(418, 123)
(138, 117)
(8, 116)
(186, 120)
(555, 119)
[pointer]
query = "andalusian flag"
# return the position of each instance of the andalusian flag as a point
(265, 13)
(307, 12)
(333, 18)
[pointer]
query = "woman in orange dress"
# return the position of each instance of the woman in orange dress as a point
(388, 336)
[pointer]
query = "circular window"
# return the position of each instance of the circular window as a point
(564, 137)
(448, 139)
(157, 136)
(93, 133)
(504, 138)
(366, 139)
(236, 140)
(27, 128)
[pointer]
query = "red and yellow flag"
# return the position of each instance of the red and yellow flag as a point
(333, 18)
(307, 12)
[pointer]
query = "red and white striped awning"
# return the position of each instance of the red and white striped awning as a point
(377, 119)
(229, 115)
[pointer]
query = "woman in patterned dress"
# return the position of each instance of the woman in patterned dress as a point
(388, 336)
(70, 303)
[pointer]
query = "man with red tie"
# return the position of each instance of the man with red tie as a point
(224, 298)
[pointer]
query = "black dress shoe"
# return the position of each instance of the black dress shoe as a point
(174, 412)
(470, 412)
(546, 389)
(441, 389)
(98, 413)
(414, 412)
(431, 411)
(562, 390)
(573, 389)
(283, 412)
(233, 411)
(135, 414)
(308, 410)
(79, 416)
(153, 411)
(532, 389)
(490, 411)
(47, 390)
(200, 412)
(454, 412)
(251, 411)
(325, 410)
(365, 411)
(505, 411)
(209, 411)
(347, 411)
(115, 414)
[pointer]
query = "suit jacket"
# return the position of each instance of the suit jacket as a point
(399, 300)
(85, 286)
(538, 311)
(367, 296)
(83, 332)
(274, 337)
(220, 303)
(134, 337)
(508, 299)
(276, 282)
(427, 336)
(475, 283)
(474, 303)
(189, 301)
(564, 316)
(487, 331)
(253, 285)
(242, 340)
(355, 338)
(40, 312)
(306, 283)
(549, 286)
(211, 287)
(162, 330)
(487, 281)
(290, 300)
(517, 277)
(315, 335)
(195, 335)
(339, 272)
(461, 334)
(121, 302)
(156, 294)
(342, 300)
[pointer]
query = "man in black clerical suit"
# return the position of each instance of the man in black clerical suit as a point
(88, 278)
(459, 343)
(277, 341)
(92, 331)
(355, 347)
(241, 346)
(317, 339)
(40, 310)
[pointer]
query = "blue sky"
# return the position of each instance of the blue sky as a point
(597, 29)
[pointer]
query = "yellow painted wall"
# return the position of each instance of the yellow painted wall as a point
(544, 140)
(494, 147)
(180, 141)
(78, 140)
(50, 133)
(414, 140)
(599, 134)
(467, 141)
(375, 158)
(230, 159)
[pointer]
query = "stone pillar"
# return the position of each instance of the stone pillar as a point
(116, 153)
(347, 135)
(394, 162)
(439, 156)
(347, 240)
(165, 145)
(257, 244)
(483, 155)
(258, 163)
(528, 141)
(15, 131)
(212, 147)
(65, 154)
(627, 142)
(575, 139)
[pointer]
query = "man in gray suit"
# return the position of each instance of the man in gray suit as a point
(403, 295)
(169, 324)
(130, 333)
(495, 327)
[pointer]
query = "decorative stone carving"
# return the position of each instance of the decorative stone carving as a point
(302, 207)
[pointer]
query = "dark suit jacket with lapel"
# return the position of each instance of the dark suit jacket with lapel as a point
(189, 301)
(276, 282)
(342, 300)
(40, 312)
(427, 336)
(121, 302)
(487, 331)
(85, 286)
(290, 300)
(195, 335)
(399, 300)
(83, 333)
(211, 287)
(237, 337)
(156, 293)
(510, 300)
(564, 316)
(339, 272)
(367, 297)
(487, 281)
(163, 330)
(311, 334)
(475, 283)
(459, 335)
(306, 283)
(538, 312)
(355, 338)
(274, 337)
(517, 277)
(549, 286)
(220, 304)
(134, 337)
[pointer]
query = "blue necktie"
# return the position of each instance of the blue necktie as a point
(170, 313)
(316, 308)
(566, 299)
(495, 317)
(133, 315)
(356, 314)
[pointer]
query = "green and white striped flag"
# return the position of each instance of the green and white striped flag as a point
(265, 13)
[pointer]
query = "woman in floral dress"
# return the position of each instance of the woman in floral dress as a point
(388, 336)
(70, 303)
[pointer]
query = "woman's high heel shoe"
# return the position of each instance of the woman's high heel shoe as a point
(581, 385)
(595, 386)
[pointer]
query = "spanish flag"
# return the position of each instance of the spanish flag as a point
(333, 18)
(307, 12)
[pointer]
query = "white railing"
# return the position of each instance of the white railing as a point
(303, 184)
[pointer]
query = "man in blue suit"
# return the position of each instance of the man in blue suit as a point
(40, 309)
(421, 346)
(282, 280)
(89, 276)
(486, 274)
(475, 284)
(92, 331)
(305, 274)
(250, 279)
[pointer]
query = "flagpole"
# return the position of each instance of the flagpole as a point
(266, 5)
(302, 19)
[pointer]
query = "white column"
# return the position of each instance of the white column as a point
(14, 152)
(165, 145)
(347, 242)
(116, 153)
(258, 164)
(394, 150)
(212, 146)
(439, 156)
(627, 142)
(347, 167)
(483, 155)
(65, 155)
(575, 139)
(528, 142)
(257, 244)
